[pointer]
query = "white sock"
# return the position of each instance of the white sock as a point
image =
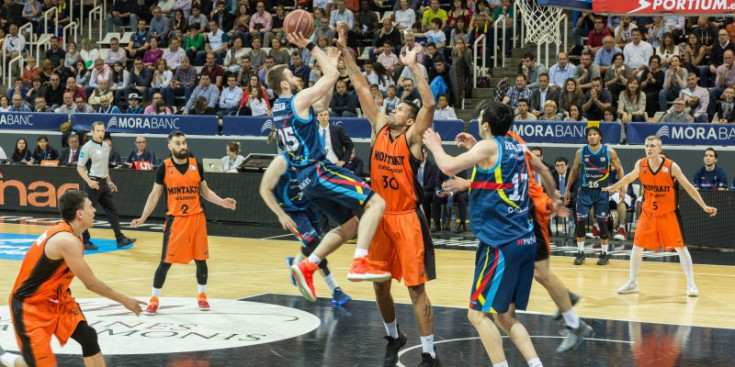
(315, 259)
(360, 252)
(202, 288)
(391, 328)
(298, 258)
(580, 246)
(621, 226)
(686, 263)
(427, 345)
(331, 282)
(8, 359)
(605, 247)
(156, 292)
(501, 364)
(636, 257)
(571, 318)
(596, 225)
(536, 362)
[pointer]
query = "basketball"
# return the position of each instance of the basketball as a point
(299, 21)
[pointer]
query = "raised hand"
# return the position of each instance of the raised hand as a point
(432, 140)
(410, 57)
(333, 53)
(465, 140)
(297, 39)
(342, 29)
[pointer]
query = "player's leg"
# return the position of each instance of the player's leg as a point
(646, 236)
(32, 334)
(489, 336)
(159, 278)
(107, 201)
(584, 204)
(86, 336)
(669, 227)
(171, 235)
(12, 360)
(202, 278)
(602, 210)
(199, 243)
(622, 205)
(312, 226)
(518, 335)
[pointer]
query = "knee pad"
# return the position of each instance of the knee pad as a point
(579, 228)
(604, 233)
(86, 336)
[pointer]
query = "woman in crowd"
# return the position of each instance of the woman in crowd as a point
(22, 154)
(242, 20)
(178, 25)
(258, 104)
(667, 49)
(652, 81)
(257, 54)
(72, 56)
(610, 115)
(46, 71)
(459, 31)
(674, 81)
(30, 70)
(44, 151)
(88, 53)
(460, 73)
(575, 114)
(201, 107)
(236, 52)
(384, 78)
(4, 103)
(550, 112)
(657, 31)
(278, 52)
(571, 94)
(153, 53)
(82, 74)
(232, 159)
(35, 91)
(694, 53)
(161, 79)
(617, 76)
(632, 103)
(161, 108)
(456, 13)
(405, 16)
(119, 80)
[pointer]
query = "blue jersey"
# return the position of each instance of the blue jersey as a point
(287, 191)
(595, 167)
(706, 180)
(499, 197)
(300, 137)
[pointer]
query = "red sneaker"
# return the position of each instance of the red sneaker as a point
(303, 272)
(595, 233)
(152, 308)
(621, 235)
(364, 269)
(202, 302)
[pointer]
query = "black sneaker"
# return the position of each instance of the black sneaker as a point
(579, 260)
(427, 361)
(460, 228)
(125, 241)
(604, 259)
(435, 227)
(90, 246)
(572, 297)
(391, 350)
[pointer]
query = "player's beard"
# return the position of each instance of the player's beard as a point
(181, 154)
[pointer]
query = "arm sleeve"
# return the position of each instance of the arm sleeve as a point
(200, 167)
(161, 174)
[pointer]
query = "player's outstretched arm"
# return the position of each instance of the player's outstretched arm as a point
(310, 96)
(626, 180)
(547, 180)
(375, 117)
(693, 192)
(150, 205)
(572, 177)
(212, 197)
(270, 179)
(66, 246)
(425, 117)
(483, 151)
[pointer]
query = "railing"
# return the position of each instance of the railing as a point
(516, 16)
(55, 12)
(474, 57)
(29, 26)
(501, 20)
(21, 64)
(74, 28)
(96, 10)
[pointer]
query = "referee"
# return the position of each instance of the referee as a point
(93, 167)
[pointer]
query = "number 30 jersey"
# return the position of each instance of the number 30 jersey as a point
(499, 197)
(300, 137)
(393, 172)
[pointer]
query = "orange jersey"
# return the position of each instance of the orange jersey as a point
(182, 190)
(659, 187)
(42, 279)
(393, 172)
(535, 191)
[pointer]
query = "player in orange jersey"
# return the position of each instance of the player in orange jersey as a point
(659, 226)
(402, 241)
(41, 304)
(185, 232)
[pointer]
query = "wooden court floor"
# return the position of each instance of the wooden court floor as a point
(241, 267)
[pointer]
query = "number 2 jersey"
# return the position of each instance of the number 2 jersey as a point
(594, 169)
(393, 172)
(181, 183)
(499, 197)
(300, 137)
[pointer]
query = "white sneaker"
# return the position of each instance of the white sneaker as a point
(692, 290)
(630, 287)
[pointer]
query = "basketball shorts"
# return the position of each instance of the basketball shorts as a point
(36, 322)
(403, 241)
(658, 231)
(185, 239)
(588, 198)
(334, 190)
(503, 275)
(541, 209)
(308, 226)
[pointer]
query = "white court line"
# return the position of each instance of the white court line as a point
(274, 237)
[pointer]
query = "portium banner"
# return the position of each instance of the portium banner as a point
(664, 7)
(682, 133)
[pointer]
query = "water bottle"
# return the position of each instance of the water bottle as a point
(450, 207)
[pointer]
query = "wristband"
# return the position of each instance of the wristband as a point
(310, 46)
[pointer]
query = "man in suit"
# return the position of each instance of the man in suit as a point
(538, 152)
(70, 155)
(338, 145)
(541, 95)
(561, 174)
(427, 176)
(449, 197)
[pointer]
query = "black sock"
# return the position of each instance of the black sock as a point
(202, 272)
(160, 277)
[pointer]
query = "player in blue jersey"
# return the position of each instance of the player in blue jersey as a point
(505, 258)
(332, 189)
(592, 165)
(280, 191)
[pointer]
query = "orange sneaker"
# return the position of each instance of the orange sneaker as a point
(202, 302)
(152, 308)
(303, 272)
(364, 269)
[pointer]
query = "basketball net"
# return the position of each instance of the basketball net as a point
(542, 22)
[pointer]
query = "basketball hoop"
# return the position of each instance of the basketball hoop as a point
(541, 22)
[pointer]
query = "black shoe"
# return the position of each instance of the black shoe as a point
(90, 246)
(604, 259)
(435, 227)
(391, 350)
(460, 228)
(572, 297)
(427, 361)
(579, 260)
(125, 241)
